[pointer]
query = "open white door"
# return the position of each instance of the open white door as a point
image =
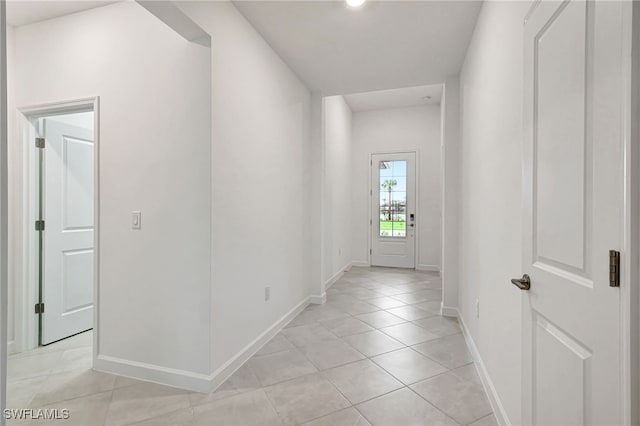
(393, 210)
(68, 203)
(573, 212)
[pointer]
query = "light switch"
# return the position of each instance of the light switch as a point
(136, 220)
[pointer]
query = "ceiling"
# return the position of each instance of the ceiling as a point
(24, 12)
(395, 98)
(382, 45)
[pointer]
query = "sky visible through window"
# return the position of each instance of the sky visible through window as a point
(393, 198)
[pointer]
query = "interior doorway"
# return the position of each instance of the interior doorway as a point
(61, 219)
(393, 210)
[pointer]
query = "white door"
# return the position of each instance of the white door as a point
(393, 223)
(573, 212)
(68, 196)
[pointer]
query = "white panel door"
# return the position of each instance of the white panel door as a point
(393, 224)
(68, 196)
(573, 212)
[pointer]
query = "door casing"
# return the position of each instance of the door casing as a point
(27, 257)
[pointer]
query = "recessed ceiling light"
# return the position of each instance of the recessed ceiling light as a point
(355, 3)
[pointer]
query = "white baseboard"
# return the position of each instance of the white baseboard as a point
(448, 311)
(431, 268)
(189, 380)
(153, 373)
(360, 264)
(11, 347)
(496, 404)
(318, 300)
(331, 281)
(227, 369)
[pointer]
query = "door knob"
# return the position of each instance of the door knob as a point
(523, 283)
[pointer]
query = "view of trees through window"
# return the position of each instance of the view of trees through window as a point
(393, 198)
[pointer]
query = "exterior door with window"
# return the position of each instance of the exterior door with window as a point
(393, 220)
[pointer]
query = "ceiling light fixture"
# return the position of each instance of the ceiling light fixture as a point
(355, 3)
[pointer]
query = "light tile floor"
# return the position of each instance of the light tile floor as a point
(377, 353)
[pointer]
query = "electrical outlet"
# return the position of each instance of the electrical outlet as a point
(267, 293)
(477, 308)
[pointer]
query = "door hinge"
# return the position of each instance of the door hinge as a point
(370, 251)
(39, 142)
(370, 222)
(614, 268)
(39, 308)
(39, 225)
(371, 192)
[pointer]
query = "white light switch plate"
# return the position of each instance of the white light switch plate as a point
(136, 220)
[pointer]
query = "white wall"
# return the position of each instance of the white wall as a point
(400, 129)
(155, 153)
(450, 157)
(261, 182)
(337, 187)
(490, 215)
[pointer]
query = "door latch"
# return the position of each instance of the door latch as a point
(614, 268)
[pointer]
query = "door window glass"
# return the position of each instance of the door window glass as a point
(393, 198)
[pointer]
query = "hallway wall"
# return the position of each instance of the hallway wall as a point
(399, 129)
(261, 180)
(490, 209)
(154, 157)
(337, 189)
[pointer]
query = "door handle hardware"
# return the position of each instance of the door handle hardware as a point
(523, 283)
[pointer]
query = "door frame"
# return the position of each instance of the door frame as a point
(630, 297)
(416, 250)
(24, 215)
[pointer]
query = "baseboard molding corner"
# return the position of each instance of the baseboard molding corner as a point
(11, 347)
(360, 264)
(331, 281)
(429, 268)
(227, 369)
(318, 299)
(449, 311)
(195, 382)
(495, 401)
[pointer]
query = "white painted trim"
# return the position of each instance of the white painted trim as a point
(448, 311)
(26, 324)
(496, 404)
(432, 268)
(360, 264)
(153, 373)
(331, 281)
(11, 347)
(318, 299)
(629, 301)
(196, 382)
(227, 369)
